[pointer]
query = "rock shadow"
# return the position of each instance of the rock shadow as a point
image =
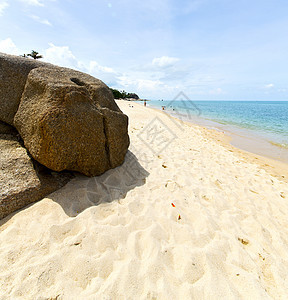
(22, 179)
(83, 192)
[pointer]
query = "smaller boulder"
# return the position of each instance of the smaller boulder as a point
(23, 180)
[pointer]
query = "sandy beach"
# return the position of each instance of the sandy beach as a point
(187, 216)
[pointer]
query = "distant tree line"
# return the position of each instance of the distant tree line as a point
(123, 95)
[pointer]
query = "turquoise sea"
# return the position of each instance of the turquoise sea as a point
(266, 120)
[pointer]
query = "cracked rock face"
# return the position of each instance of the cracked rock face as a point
(23, 180)
(13, 75)
(70, 121)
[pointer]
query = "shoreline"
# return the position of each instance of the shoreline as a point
(276, 167)
(246, 139)
(186, 216)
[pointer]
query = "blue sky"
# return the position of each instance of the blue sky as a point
(209, 49)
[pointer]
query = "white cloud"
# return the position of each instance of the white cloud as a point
(3, 5)
(164, 61)
(42, 21)
(61, 56)
(8, 46)
(146, 83)
(106, 74)
(136, 84)
(217, 91)
(269, 86)
(95, 67)
(145, 87)
(32, 2)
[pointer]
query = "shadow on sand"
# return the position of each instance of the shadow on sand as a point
(83, 192)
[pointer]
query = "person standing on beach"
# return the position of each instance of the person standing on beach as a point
(144, 102)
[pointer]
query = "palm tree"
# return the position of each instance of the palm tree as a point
(34, 54)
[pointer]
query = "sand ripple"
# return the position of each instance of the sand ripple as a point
(118, 236)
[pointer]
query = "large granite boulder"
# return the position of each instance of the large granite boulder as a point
(23, 180)
(13, 75)
(70, 121)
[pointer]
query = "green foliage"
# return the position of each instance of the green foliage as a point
(116, 94)
(123, 95)
(34, 54)
(133, 95)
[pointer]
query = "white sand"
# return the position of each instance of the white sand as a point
(118, 236)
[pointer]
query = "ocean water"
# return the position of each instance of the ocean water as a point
(266, 119)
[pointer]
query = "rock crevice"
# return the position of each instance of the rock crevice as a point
(61, 122)
(106, 143)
